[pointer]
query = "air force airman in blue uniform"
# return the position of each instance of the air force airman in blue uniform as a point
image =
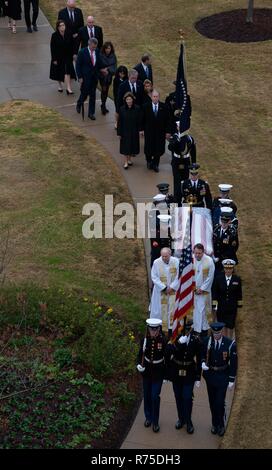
(219, 365)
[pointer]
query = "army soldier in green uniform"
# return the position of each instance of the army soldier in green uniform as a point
(195, 191)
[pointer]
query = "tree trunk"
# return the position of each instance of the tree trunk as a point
(250, 8)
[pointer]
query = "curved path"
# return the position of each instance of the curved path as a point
(24, 65)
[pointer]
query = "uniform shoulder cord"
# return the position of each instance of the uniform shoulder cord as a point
(144, 347)
(233, 341)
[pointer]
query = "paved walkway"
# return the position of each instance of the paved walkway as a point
(24, 71)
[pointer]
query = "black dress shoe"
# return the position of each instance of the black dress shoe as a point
(179, 424)
(103, 110)
(190, 427)
(92, 117)
(35, 27)
(221, 431)
(156, 169)
(78, 108)
(156, 428)
(214, 430)
(29, 30)
(147, 423)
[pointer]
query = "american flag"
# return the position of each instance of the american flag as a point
(185, 293)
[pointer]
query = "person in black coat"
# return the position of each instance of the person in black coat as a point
(35, 13)
(121, 75)
(144, 68)
(90, 31)
(73, 18)
(151, 364)
(88, 65)
(132, 85)
(183, 150)
(219, 365)
(12, 9)
(129, 125)
(227, 296)
(62, 68)
(194, 190)
(109, 63)
(183, 368)
(156, 128)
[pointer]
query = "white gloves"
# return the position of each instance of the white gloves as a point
(140, 368)
(197, 383)
(204, 367)
(182, 340)
(230, 385)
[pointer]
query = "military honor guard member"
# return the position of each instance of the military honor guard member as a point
(151, 364)
(222, 200)
(219, 365)
(225, 240)
(225, 205)
(183, 363)
(204, 273)
(227, 296)
(164, 189)
(160, 227)
(165, 278)
(194, 190)
(183, 150)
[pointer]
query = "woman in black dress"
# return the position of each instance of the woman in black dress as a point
(12, 9)
(120, 75)
(62, 50)
(129, 127)
(109, 62)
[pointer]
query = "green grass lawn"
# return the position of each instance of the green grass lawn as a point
(71, 309)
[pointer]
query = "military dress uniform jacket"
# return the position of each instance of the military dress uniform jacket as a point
(158, 238)
(227, 298)
(222, 363)
(226, 244)
(199, 196)
(152, 357)
(216, 210)
(183, 361)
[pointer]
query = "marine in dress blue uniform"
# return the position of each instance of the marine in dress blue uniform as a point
(219, 365)
(183, 364)
(151, 364)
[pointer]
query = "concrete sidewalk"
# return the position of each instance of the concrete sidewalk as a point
(24, 74)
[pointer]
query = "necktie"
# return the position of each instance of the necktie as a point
(147, 72)
(216, 346)
(134, 89)
(72, 18)
(155, 109)
(228, 281)
(92, 57)
(91, 33)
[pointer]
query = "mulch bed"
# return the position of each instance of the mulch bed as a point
(231, 26)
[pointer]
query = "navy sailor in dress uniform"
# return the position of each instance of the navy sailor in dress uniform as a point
(227, 296)
(183, 363)
(151, 364)
(222, 199)
(219, 365)
(194, 190)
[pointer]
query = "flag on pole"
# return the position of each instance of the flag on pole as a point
(183, 101)
(185, 294)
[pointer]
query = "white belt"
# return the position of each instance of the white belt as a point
(154, 362)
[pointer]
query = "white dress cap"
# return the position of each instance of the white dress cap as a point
(153, 322)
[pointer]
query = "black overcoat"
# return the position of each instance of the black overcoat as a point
(129, 124)
(155, 128)
(62, 52)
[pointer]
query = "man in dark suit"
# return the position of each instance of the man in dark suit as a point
(144, 69)
(133, 85)
(73, 19)
(227, 296)
(194, 190)
(88, 65)
(156, 128)
(219, 365)
(35, 12)
(90, 31)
